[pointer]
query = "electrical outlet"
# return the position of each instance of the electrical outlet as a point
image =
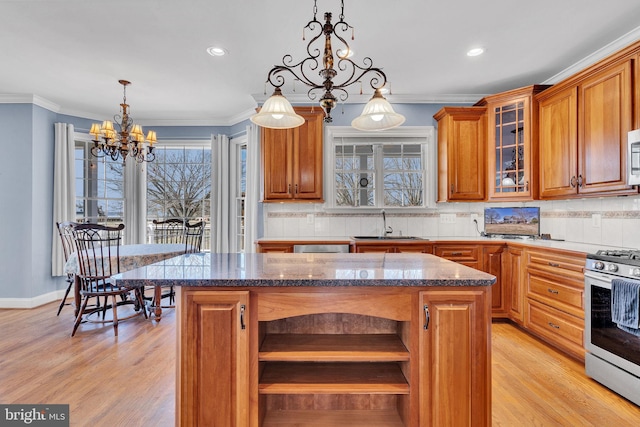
(309, 219)
(595, 220)
(474, 218)
(447, 218)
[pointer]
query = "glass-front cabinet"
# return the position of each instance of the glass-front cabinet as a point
(512, 144)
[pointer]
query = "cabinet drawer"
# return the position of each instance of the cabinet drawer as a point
(458, 253)
(565, 264)
(556, 327)
(547, 289)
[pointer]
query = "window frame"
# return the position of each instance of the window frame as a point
(333, 136)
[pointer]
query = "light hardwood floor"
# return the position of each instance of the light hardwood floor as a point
(129, 380)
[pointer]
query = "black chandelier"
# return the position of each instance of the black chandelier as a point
(277, 112)
(128, 140)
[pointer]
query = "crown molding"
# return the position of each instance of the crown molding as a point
(609, 49)
(27, 98)
(303, 99)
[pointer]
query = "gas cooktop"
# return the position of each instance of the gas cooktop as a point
(622, 256)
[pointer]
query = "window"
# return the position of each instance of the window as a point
(241, 149)
(179, 185)
(99, 187)
(394, 169)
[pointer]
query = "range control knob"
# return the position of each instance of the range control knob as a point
(599, 265)
(635, 272)
(612, 267)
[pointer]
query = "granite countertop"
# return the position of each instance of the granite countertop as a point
(553, 244)
(286, 270)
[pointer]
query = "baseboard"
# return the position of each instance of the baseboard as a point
(32, 302)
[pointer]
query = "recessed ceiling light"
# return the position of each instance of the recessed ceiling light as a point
(475, 51)
(216, 51)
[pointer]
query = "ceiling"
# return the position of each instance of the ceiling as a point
(71, 53)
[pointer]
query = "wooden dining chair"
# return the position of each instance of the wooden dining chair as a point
(65, 231)
(98, 251)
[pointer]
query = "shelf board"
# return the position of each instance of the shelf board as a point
(351, 418)
(332, 378)
(333, 348)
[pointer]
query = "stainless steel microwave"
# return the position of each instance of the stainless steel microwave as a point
(633, 157)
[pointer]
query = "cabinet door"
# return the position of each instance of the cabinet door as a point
(362, 249)
(455, 362)
(277, 162)
(492, 264)
(605, 118)
(213, 358)
(559, 144)
(509, 161)
(461, 153)
(307, 158)
(512, 273)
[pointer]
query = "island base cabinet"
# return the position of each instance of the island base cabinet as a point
(327, 357)
(455, 362)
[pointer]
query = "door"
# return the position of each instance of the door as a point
(559, 144)
(213, 358)
(455, 360)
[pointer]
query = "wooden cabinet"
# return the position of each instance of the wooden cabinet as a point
(383, 356)
(454, 366)
(390, 246)
(513, 283)
(484, 257)
(555, 298)
(583, 133)
(292, 160)
(461, 153)
(213, 339)
(264, 247)
(512, 144)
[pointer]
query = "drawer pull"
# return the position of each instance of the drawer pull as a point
(427, 317)
(456, 253)
(242, 325)
(553, 291)
(554, 326)
(554, 264)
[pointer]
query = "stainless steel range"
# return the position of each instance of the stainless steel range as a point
(613, 354)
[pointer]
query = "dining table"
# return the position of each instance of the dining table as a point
(130, 258)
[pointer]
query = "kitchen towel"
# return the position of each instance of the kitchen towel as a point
(625, 305)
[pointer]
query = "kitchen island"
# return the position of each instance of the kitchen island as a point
(328, 339)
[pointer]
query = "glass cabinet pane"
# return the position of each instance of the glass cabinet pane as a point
(509, 148)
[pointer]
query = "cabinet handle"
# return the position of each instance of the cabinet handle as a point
(553, 291)
(579, 180)
(242, 325)
(553, 264)
(296, 188)
(427, 317)
(452, 187)
(573, 182)
(289, 191)
(554, 326)
(456, 253)
(526, 186)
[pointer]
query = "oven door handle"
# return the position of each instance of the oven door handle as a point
(602, 280)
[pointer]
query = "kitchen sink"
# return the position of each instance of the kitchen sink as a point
(387, 238)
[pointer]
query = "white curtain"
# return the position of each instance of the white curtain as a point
(135, 196)
(252, 192)
(64, 190)
(222, 194)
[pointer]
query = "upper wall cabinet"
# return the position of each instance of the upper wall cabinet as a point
(583, 132)
(512, 144)
(292, 160)
(461, 153)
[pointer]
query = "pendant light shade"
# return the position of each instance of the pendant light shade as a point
(277, 113)
(378, 115)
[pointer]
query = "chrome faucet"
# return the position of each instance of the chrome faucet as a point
(385, 230)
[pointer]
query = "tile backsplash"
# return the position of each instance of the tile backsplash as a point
(611, 221)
